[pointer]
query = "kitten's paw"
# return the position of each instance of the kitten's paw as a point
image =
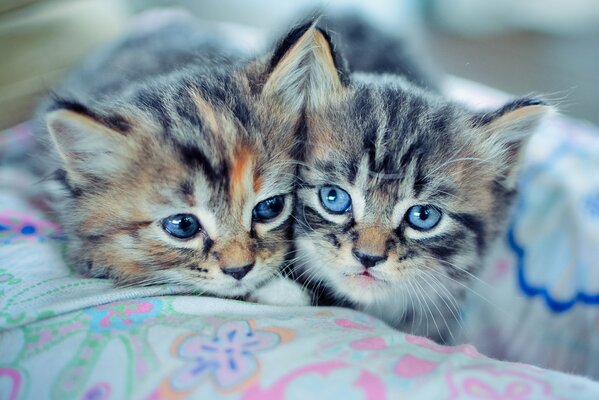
(281, 292)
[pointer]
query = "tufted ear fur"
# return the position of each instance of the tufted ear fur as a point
(506, 131)
(305, 70)
(90, 147)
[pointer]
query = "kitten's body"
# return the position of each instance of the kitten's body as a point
(172, 161)
(392, 147)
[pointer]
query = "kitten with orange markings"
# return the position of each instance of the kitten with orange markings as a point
(173, 159)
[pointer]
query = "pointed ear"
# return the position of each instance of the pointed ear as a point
(305, 69)
(90, 147)
(506, 131)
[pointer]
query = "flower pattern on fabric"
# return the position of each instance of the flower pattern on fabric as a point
(228, 357)
(99, 391)
(487, 382)
(10, 382)
(124, 315)
(555, 231)
(7, 278)
(465, 349)
(352, 382)
(17, 227)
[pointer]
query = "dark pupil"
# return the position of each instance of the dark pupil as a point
(332, 195)
(274, 205)
(269, 208)
(182, 226)
(185, 223)
(423, 213)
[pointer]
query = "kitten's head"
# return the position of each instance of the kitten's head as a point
(187, 179)
(401, 191)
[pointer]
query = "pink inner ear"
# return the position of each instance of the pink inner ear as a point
(87, 147)
(518, 124)
(304, 56)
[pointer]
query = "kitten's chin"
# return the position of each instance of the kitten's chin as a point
(362, 289)
(225, 287)
(230, 291)
(237, 289)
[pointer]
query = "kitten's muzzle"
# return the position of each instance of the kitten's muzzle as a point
(368, 260)
(238, 272)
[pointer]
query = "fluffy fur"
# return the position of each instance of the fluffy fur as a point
(392, 145)
(167, 121)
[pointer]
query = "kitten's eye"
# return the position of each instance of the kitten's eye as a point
(181, 226)
(268, 209)
(423, 217)
(335, 200)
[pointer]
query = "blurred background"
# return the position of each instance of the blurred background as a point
(548, 47)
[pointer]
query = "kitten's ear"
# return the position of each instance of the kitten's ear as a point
(305, 69)
(90, 147)
(506, 131)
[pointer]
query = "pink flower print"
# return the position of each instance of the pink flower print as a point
(410, 366)
(123, 315)
(465, 349)
(13, 381)
(19, 227)
(99, 391)
(490, 383)
(349, 324)
(228, 357)
(369, 343)
(317, 375)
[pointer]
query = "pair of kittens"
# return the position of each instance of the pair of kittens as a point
(181, 160)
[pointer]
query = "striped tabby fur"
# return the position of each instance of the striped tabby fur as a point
(392, 145)
(168, 121)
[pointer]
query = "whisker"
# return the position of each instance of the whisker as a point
(459, 268)
(474, 292)
(438, 309)
(454, 306)
(423, 293)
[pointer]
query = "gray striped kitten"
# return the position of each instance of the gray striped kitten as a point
(401, 191)
(172, 159)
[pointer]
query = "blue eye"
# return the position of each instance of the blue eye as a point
(181, 226)
(423, 217)
(268, 209)
(335, 200)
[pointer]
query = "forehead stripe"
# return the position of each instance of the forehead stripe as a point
(257, 182)
(195, 158)
(240, 172)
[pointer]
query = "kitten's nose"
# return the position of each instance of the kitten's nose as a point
(367, 260)
(238, 272)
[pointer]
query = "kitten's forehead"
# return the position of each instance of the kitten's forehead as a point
(393, 143)
(389, 123)
(217, 136)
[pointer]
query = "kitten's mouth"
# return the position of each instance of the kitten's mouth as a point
(364, 277)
